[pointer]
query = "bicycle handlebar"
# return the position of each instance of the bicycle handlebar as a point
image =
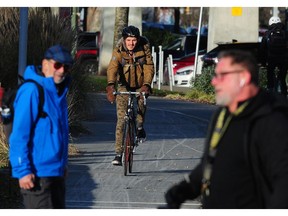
(128, 93)
(131, 93)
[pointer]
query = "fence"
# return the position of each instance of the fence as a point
(164, 74)
(159, 68)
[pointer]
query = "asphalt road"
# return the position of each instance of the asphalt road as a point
(175, 136)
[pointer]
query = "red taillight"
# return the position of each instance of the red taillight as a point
(85, 52)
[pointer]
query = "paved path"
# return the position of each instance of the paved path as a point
(175, 134)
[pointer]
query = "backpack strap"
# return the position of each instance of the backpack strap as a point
(41, 112)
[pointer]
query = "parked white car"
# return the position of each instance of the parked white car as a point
(183, 76)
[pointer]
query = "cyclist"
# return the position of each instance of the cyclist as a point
(131, 68)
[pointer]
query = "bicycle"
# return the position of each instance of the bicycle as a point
(130, 140)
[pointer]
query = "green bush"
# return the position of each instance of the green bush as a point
(95, 83)
(202, 82)
(200, 96)
(263, 77)
(44, 30)
(9, 43)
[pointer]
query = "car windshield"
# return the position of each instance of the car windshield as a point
(87, 40)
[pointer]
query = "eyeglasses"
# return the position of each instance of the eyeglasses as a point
(58, 65)
(221, 75)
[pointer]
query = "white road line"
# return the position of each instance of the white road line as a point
(109, 204)
(183, 114)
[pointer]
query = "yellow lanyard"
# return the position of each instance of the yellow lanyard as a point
(219, 130)
(221, 127)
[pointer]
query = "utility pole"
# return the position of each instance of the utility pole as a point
(198, 41)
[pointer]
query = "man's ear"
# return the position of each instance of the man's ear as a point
(45, 66)
(246, 77)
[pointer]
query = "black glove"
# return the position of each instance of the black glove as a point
(178, 194)
(110, 96)
(146, 89)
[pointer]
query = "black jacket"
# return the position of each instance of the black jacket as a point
(250, 169)
(278, 54)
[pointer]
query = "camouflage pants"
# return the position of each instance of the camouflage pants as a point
(121, 106)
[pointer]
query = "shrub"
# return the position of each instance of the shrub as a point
(9, 34)
(263, 77)
(200, 96)
(4, 148)
(202, 82)
(95, 83)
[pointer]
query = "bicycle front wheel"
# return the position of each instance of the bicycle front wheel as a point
(126, 145)
(132, 145)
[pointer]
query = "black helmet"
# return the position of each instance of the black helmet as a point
(130, 31)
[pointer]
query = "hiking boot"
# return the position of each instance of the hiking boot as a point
(117, 160)
(141, 135)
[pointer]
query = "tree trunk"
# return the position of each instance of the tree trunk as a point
(121, 21)
(93, 19)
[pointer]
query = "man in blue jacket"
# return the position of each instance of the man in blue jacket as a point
(39, 145)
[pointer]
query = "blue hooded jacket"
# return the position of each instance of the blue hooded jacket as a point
(39, 146)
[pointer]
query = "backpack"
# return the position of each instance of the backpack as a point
(7, 109)
(276, 42)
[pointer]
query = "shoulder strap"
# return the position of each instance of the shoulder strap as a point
(41, 113)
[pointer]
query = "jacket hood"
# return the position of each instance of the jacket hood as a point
(264, 103)
(34, 73)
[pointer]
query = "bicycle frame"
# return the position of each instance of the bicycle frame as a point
(129, 141)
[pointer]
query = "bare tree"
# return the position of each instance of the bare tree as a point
(121, 21)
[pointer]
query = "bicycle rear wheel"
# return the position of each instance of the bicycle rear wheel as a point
(126, 145)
